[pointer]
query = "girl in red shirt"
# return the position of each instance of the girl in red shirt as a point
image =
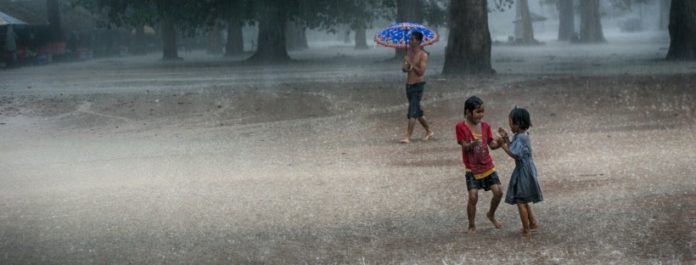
(475, 137)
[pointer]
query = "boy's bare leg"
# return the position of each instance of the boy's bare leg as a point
(471, 210)
(409, 131)
(533, 224)
(428, 131)
(497, 196)
(524, 217)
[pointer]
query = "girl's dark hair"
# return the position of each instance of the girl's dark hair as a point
(472, 103)
(520, 117)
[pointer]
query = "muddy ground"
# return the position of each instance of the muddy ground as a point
(135, 161)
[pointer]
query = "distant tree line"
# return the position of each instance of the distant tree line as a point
(282, 23)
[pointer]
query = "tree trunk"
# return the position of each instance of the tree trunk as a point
(682, 30)
(469, 44)
(524, 32)
(664, 14)
(271, 40)
(302, 38)
(566, 17)
(214, 40)
(296, 36)
(235, 39)
(408, 11)
(360, 38)
(590, 23)
(53, 14)
(139, 41)
(169, 49)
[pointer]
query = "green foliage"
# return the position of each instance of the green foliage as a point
(216, 11)
(187, 15)
(627, 5)
(436, 12)
(548, 2)
(323, 14)
(190, 15)
(502, 5)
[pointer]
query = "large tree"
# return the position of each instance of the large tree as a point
(53, 14)
(566, 20)
(168, 33)
(272, 18)
(359, 15)
(235, 37)
(590, 22)
(235, 14)
(682, 30)
(469, 44)
(214, 39)
(296, 36)
(524, 32)
(172, 17)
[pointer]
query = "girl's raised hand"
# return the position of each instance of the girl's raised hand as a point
(500, 140)
(502, 132)
(503, 135)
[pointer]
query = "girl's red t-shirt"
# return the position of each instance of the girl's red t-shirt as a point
(479, 161)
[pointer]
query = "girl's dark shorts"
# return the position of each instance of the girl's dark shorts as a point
(484, 183)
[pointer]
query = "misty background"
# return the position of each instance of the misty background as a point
(140, 132)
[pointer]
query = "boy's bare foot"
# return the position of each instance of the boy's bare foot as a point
(496, 223)
(472, 230)
(533, 226)
(428, 135)
(405, 141)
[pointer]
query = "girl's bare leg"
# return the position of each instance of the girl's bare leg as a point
(533, 224)
(524, 217)
(471, 210)
(497, 196)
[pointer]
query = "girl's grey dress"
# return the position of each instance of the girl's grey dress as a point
(524, 185)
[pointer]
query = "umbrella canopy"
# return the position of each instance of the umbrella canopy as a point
(398, 35)
(6, 19)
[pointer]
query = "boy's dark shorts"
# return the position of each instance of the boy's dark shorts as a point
(484, 183)
(414, 93)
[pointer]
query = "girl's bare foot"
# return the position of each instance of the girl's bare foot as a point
(472, 230)
(405, 141)
(526, 234)
(496, 223)
(428, 135)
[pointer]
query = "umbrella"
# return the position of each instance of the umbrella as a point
(398, 35)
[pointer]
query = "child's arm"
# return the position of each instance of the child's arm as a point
(469, 146)
(498, 141)
(519, 148)
(503, 136)
(495, 144)
(506, 148)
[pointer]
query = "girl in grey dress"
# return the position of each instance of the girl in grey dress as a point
(524, 185)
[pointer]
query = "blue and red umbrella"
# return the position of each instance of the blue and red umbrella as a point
(398, 35)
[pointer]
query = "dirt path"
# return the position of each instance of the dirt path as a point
(294, 172)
